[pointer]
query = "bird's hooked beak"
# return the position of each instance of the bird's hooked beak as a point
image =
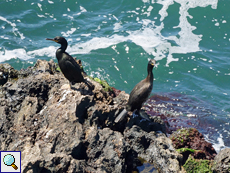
(52, 39)
(153, 63)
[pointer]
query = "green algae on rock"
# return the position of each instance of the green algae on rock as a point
(103, 83)
(198, 166)
(182, 150)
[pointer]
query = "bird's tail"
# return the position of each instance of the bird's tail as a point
(121, 116)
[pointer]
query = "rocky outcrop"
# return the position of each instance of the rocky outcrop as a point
(153, 147)
(198, 154)
(63, 129)
(222, 161)
(190, 141)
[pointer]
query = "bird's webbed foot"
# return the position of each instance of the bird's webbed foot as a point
(143, 114)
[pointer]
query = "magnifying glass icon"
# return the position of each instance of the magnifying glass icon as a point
(9, 160)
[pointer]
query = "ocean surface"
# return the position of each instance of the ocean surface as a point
(190, 39)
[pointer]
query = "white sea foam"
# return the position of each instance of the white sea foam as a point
(13, 25)
(188, 41)
(40, 6)
(86, 35)
(47, 51)
(16, 53)
(68, 33)
(220, 145)
(149, 37)
(115, 17)
(83, 10)
(117, 27)
(51, 2)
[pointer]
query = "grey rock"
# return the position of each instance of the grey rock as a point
(37, 160)
(222, 161)
(164, 156)
(155, 148)
(106, 150)
(148, 125)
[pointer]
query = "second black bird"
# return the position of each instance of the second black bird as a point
(139, 94)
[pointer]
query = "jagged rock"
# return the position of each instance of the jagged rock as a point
(36, 159)
(44, 66)
(6, 72)
(106, 150)
(63, 129)
(222, 161)
(154, 147)
(153, 124)
(3, 75)
(192, 139)
(121, 98)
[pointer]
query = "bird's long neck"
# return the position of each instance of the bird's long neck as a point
(150, 74)
(61, 50)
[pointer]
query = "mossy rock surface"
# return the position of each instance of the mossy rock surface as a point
(182, 150)
(103, 83)
(198, 166)
(194, 142)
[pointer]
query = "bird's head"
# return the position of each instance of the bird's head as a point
(58, 39)
(152, 62)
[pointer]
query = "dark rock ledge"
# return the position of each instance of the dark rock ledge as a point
(59, 129)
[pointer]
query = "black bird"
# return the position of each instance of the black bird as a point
(67, 64)
(139, 94)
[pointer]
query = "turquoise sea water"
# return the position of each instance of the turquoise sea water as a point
(190, 39)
